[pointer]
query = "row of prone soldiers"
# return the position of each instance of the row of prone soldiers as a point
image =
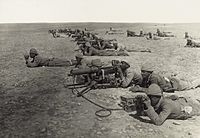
(89, 44)
(83, 36)
(149, 35)
(66, 31)
(157, 107)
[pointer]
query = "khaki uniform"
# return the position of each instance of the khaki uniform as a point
(157, 79)
(95, 52)
(39, 61)
(166, 84)
(192, 43)
(172, 109)
(131, 78)
(82, 64)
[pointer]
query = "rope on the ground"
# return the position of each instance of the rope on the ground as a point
(103, 109)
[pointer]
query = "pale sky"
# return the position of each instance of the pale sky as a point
(159, 11)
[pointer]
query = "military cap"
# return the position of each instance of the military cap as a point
(147, 67)
(125, 65)
(154, 89)
(33, 51)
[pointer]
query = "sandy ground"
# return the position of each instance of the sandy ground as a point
(34, 102)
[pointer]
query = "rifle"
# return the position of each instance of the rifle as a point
(133, 104)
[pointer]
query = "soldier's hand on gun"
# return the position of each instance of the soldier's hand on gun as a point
(135, 88)
(147, 103)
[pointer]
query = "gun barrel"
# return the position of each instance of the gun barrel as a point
(105, 70)
(83, 71)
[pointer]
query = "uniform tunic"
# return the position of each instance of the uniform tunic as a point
(171, 109)
(167, 84)
(95, 52)
(39, 61)
(130, 78)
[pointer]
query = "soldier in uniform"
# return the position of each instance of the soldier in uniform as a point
(141, 33)
(186, 35)
(158, 32)
(159, 108)
(80, 62)
(38, 61)
(166, 84)
(91, 51)
(128, 77)
(192, 43)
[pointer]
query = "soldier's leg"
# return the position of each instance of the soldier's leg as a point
(55, 62)
(107, 53)
(187, 85)
(122, 53)
(192, 107)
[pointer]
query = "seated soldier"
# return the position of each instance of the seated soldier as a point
(158, 32)
(149, 36)
(166, 84)
(38, 61)
(141, 33)
(186, 35)
(159, 108)
(128, 77)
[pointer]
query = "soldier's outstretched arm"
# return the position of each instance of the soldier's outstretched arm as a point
(137, 88)
(158, 119)
(127, 80)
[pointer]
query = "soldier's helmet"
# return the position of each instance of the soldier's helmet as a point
(96, 63)
(124, 65)
(154, 90)
(147, 67)
(33, 51)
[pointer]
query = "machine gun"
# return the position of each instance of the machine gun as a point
(99, 77)
(135, 103)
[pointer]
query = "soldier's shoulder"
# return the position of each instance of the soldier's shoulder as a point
(155, 75)
(38, 57)
(167, 102)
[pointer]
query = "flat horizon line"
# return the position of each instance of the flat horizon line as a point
(100, 22)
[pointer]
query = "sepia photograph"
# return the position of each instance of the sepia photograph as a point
(99, 69)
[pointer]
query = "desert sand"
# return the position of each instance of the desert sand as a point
(35, 103)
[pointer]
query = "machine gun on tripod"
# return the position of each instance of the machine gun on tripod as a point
(97, 77)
